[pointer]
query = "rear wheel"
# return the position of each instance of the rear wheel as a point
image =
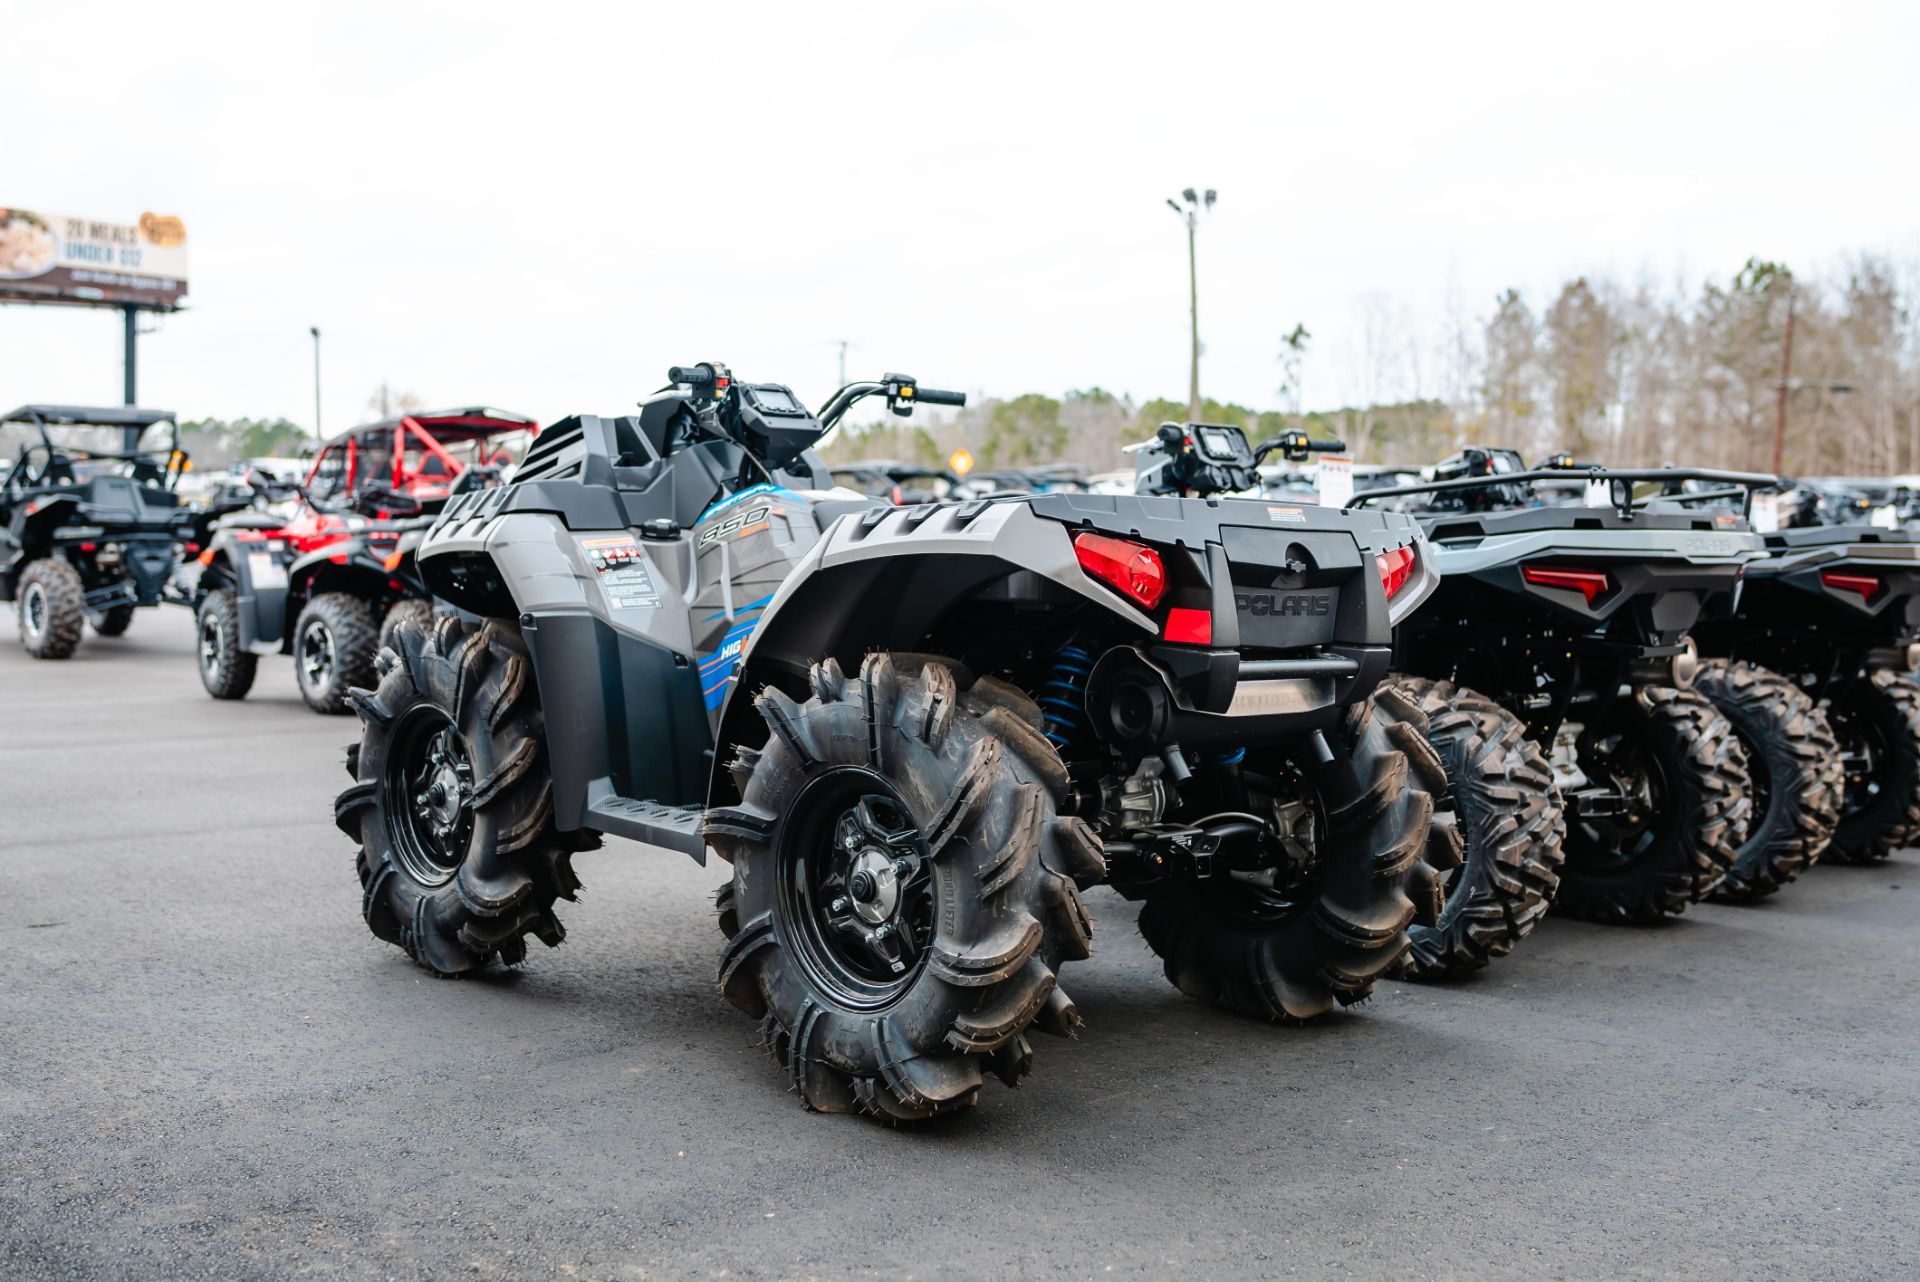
(51, 606)
(113, 621)
(226, 667)
(453, 804)
(904, 890)
(334, 641)
(1794, 774)
(1501, 799)
(1292, 950)
(1664, 813)
(1877, 723)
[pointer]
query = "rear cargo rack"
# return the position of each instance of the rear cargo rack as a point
(1620, 482)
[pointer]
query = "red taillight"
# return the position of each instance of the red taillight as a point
(89, 547)
(1189, 627)
(1865, 584)
(1588, 583)
(1395, 567)
(1135, 570)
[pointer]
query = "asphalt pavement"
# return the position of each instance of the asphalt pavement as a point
(208, 1068)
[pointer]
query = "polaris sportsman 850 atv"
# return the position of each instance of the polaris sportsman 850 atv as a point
(916, 733)
(327, 585)
(1556, 652)
(1832, 616)
(90, 526)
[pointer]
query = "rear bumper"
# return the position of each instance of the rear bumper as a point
(1210, 698)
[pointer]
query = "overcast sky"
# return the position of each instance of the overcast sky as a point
(541, 206)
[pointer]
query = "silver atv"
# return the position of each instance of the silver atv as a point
(917, 734)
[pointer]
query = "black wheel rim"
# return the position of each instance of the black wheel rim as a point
(210, 631)
(856, 888)
(429, 796)
(1631, 768)
(316, 655)
(1863, 747)
(33, 608)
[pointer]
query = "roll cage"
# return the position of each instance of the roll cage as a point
(44, 461)
(410, 455)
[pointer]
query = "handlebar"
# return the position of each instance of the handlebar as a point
(697, 375)
(1296, 445)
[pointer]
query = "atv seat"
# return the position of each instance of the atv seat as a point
(121, 498)
(251, 521)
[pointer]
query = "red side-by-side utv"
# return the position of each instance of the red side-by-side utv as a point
(325, 583)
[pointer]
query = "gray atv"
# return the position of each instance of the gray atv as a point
(1584, 770)
(917, 734)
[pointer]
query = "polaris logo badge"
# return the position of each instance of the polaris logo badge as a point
(1299, 604)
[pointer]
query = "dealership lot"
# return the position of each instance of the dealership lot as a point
(209, 1068)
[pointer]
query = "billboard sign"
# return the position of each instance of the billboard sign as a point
(55, 258)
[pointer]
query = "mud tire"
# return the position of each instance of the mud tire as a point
(112, 621)
(1704, 816)
(1795, 775)
(1501, 799)
(1384, 865)
(1889, 820)
(983, 788)
(344, 624)
(417, 611)
(477, 682)
(50, 603)
(226, 667)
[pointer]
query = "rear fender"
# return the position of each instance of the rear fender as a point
(882, 581)
(258, 577)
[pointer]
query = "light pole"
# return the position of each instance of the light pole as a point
(315, 331)
(1190, 215)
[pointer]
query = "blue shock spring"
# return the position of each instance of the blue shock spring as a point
(1227, 756)
(1063, 695)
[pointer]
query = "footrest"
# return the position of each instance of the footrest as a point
(675, 827)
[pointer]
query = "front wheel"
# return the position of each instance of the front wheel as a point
(1660, 819)
(1794, 772)
(51, 604)
(904, 889)
(112, 621)
(1877, 723)
(416, 611)
(334, 641)
(226, 667)
(452, 802)
(1289, 949)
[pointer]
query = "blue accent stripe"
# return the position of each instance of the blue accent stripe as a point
(747, 493)
(751, 605)
(717, 669)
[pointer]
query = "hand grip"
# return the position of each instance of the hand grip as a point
(698, 375)
(934, 396)
(1326, 447)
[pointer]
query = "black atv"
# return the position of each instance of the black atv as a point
(1554, 667)
(90, 525)
(1831, 618)
(917, 734)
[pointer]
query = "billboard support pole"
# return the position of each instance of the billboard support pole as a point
(132, 315)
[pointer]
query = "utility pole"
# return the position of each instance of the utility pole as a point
(1190, 215)
(843, 362)
(315, 331)
(1786, 382)
(130, 379)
